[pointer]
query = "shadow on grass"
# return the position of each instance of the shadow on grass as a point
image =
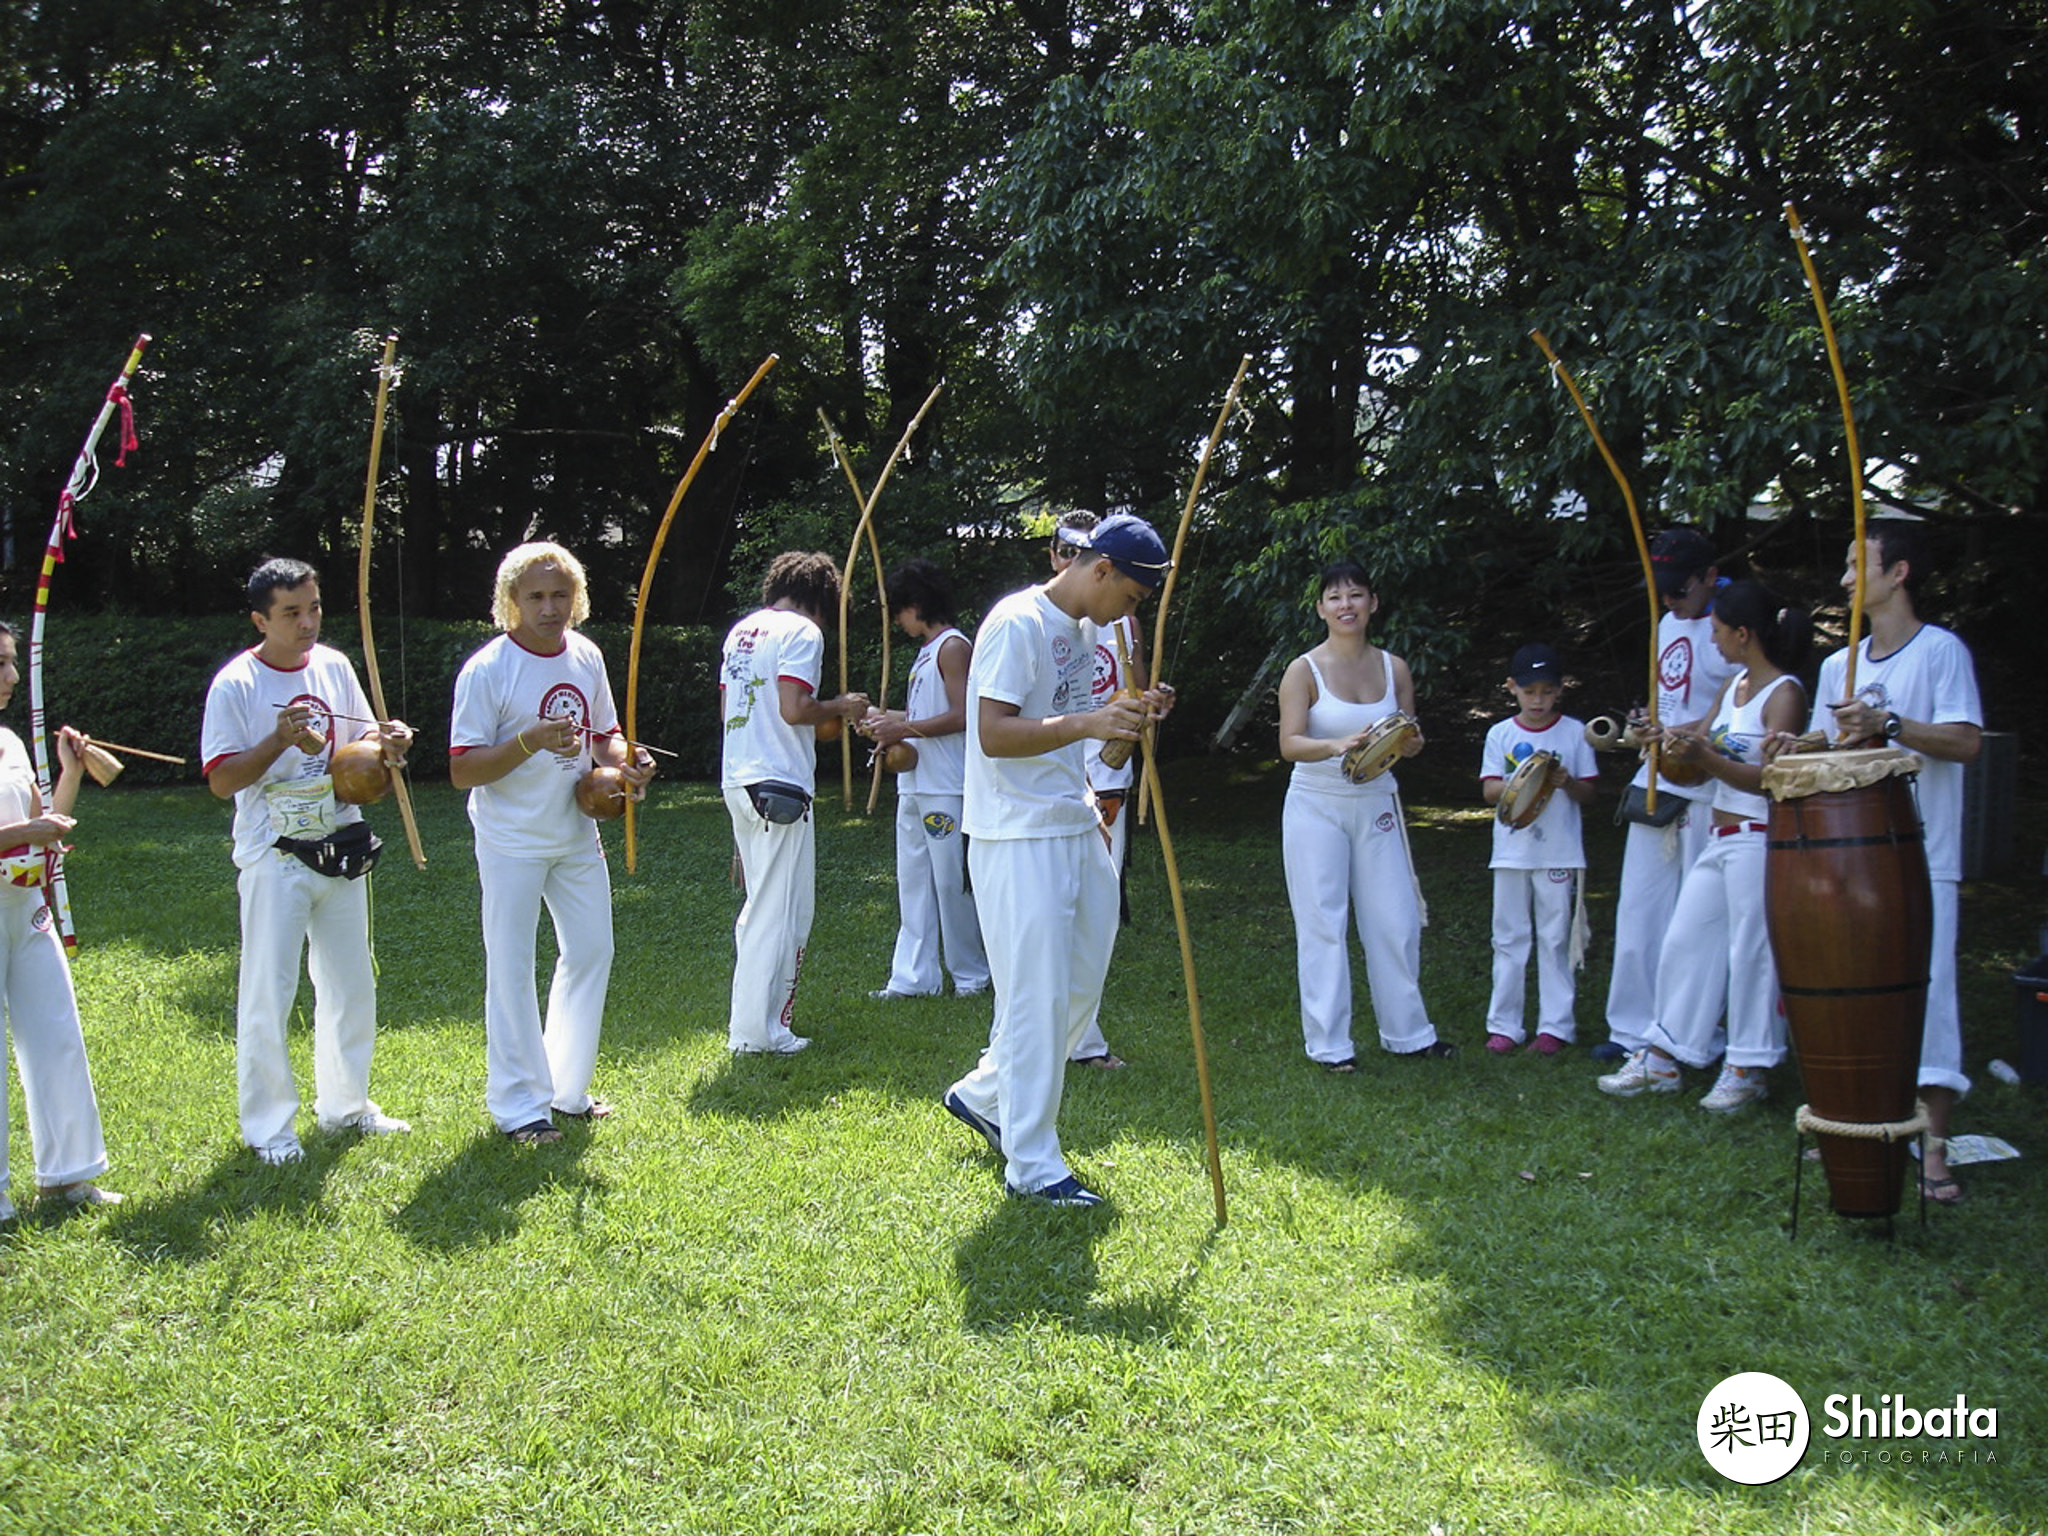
(1029, 1263)
(192, 1227)
(476, 1198)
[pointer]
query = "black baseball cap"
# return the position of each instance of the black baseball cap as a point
(1537, 663)
(1128, 542)
(1676, 556)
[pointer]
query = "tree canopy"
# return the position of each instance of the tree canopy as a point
(588, 220)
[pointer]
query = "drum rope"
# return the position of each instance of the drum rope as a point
(1895, 1130)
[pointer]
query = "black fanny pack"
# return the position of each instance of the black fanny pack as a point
(1634, 808)
(780, 802)
(351, 852)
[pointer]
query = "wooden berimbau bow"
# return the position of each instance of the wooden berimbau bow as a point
(374, 677)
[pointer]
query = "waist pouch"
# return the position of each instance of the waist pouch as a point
(1669, 808)
(780, 802)
(350, 852)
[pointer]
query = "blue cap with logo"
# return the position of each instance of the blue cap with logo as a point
(1128, 542)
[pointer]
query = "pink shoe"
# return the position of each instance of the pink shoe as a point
(1546, 1045)
(1500, 1045)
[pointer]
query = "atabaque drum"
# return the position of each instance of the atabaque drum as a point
(1850, 915)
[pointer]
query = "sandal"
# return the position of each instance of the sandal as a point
(598, 1109)
(1106, 1061)
(1342, 1068)
(539, 1133)
(1941, 1191)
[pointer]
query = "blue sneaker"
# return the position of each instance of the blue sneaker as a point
(1068, 1191)
(988, 1130)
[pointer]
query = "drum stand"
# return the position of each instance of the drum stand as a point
(1807, 1121)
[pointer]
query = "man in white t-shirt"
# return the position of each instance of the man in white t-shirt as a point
(274, 715)
(768, 677)
(1043, 879)
(533, 713)
(1916, 688)
(1690, 675)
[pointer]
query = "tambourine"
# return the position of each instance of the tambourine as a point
(1381, 744)
(359, 772)
(601, 794)
(1529, 789)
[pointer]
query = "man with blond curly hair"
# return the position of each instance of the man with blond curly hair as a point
(534, 712)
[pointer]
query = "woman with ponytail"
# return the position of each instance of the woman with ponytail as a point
(1717, 952)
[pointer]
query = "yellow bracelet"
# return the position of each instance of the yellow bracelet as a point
(521, 739)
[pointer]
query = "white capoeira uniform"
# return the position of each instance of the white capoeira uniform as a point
(1690, 671)
(1717, 953)
(1930, 678)
(287, 909)
(933, 902)
(1043, 882)
(534, 847)
(1345, 848)
(1110, 787)
(1536, 873)
(763, 650)
(42, 1011)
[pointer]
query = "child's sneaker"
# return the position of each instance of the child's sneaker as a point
(1500, 1045)
(1736, 1087)
(1546, 1044)
(1643, 1072)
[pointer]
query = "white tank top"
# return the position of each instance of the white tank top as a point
(1333, 719)
(1738, 731)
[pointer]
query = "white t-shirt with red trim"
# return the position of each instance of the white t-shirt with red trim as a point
(1553, 840)
(503, 688)
(295, 796)
(762, 651)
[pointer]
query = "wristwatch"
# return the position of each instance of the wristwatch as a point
(1892, 726)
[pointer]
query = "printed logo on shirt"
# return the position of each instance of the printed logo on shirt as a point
(1105, 682)
(297, 764)
(1674, 668)
(565, 701)
(1519, 754)
(1731, 744)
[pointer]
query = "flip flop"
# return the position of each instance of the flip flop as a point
(1941, 1191)
(1105, 1061)
(535, 1134)
(1342, 1068)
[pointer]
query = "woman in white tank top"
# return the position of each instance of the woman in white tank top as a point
(1344, 844)
(1717, 955)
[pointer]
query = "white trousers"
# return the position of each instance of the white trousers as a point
(530, 1069)
(1048, 907)
(49, 1047)
(1717, 955)
(933, 902)
(1532, 907)
(781, 864)
(1941, 1046)
(1653, 865)
(1345, 852)
(287, 910)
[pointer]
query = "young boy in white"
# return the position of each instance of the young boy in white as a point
(932, 897)
(767, 697)
(533, 712)
(1042, 875)
(1690, 675)
(273, 716)
(1536, 868)
(1916, 688)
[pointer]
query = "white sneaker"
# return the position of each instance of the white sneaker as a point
(1643, 1072)
(85, 1192)
(278, 1153)
(1736, 1087)
(374, 1122)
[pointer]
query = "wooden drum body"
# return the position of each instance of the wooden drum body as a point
(1850, 914)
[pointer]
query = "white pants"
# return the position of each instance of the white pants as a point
(781, 864)
(1653, 865)
(1532, 906)
(528, 1069)
(1346, 851)
(49, 1047)
(1091, 1042)
(287, 910)
(1048, 907)
(1941, 1046)
(933, 901)
(1718, 954)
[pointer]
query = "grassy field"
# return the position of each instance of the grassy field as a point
(787, 1295)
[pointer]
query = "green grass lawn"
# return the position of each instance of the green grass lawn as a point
(787, 1294)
